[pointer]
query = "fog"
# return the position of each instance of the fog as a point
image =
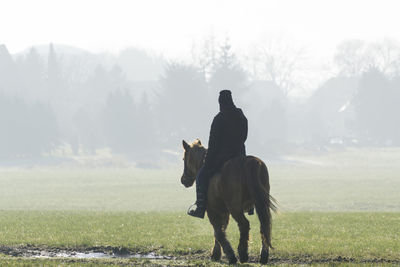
(96, 97)
(65, 94)
(59, 101)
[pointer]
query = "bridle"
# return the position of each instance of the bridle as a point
(187, 173)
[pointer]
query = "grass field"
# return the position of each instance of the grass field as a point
(341, 207)
(306, 237)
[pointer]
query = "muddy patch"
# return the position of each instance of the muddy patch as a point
(89, 253)
(303, 259)
(123, 253)
(308, 260)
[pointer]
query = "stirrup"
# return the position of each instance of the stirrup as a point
(191, 208)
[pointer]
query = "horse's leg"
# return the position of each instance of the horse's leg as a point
(220, 222)
(244, 228)
(264, 254)
(216, 252)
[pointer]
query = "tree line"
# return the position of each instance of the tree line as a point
(142, 105)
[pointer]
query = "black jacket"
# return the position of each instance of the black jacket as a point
(227, 136)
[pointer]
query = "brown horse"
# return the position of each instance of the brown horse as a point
(241, 184)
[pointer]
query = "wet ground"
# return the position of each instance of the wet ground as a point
(89, 253)
(123, 253)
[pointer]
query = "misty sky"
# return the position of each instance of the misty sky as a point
(170, 27)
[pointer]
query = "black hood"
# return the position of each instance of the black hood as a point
(225, 101)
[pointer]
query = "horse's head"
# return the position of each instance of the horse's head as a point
(193, 160)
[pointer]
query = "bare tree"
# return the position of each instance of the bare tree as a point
(280, 61)
(352, 57)
(386, 56)
(204, 55)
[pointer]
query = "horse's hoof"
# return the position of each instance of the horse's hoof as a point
(216, 257)
(233, 260)
(264, 256)
(264, 259)
(243, 258)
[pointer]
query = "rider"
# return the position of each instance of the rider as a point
(227, 136)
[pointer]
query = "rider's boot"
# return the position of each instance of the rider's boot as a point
(200, 204)
(199, 212)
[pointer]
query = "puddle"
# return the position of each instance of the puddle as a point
(119, 253)
(116, 253)
(77, 255)
(98, 255)
(151, 256)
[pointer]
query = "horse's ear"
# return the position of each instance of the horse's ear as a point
(186, 146)
(198, 141)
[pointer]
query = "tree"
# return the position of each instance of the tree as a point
(227, 73)
(53, 71)
(33, 71)
(204, 55)
(183, 107)
(281, 62)
(27, 130)
(117, 77)
(119, 122)
(274, 120)
(386, 56)
(87, 131)
(9, 76)
(354, 57)
(375, 106)
(139, 65)
(145, 133)
(44, 129)
(395, 87)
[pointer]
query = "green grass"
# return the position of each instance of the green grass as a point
(344, 203)
(301, 236)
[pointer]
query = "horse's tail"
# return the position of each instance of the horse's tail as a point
(258, 185)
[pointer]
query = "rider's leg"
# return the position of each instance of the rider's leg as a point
(202, 180)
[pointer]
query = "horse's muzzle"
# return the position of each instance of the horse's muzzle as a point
(187, 182)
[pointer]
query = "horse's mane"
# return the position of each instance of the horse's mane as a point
(197, 143)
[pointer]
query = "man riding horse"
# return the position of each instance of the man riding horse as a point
(227, 136)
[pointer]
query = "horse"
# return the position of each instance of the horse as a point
(240, 184)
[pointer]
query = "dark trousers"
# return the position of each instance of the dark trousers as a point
(202, 181)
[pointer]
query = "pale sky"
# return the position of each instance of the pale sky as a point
(171, 26)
